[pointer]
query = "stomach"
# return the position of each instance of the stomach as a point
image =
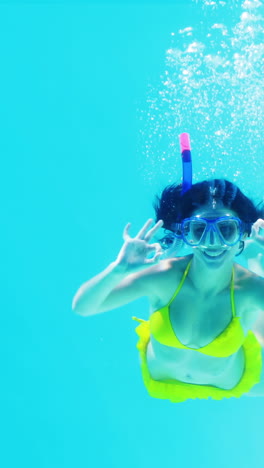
(193, 367)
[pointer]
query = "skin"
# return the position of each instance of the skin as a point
(212, 275)
(208, 286)
(199, 313)
(253, 257)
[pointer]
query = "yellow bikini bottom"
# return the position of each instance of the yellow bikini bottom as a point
(177, 391)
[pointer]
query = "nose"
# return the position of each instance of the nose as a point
(212, 237)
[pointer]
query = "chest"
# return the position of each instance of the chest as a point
(198, 320)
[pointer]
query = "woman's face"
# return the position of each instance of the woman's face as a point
(212, 249)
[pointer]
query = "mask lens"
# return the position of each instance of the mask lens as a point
(229, 230)
(193, 231)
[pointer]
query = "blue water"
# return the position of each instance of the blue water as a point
(77, 165)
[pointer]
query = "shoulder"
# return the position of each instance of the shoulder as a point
(164, 268)
(256, 295)
(253, 257)
(247, 277)
(244, 274)
(252, 284)
(257, 287)
(160, 278)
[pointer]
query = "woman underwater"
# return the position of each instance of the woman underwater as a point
(198, 341)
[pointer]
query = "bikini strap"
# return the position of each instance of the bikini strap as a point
(139, 320)
(232, 293)
(181, 283)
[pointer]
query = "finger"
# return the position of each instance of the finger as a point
(155, 246)
(142, 232)
(258, 238)
(152, 231)
(255, 232)
(259, 224)
(158, 249)
(155, 259)
(125, 232)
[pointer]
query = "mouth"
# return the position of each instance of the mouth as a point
(214, 255)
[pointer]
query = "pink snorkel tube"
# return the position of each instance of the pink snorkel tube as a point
(186, 162)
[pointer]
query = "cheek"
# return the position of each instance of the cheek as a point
(235, 249)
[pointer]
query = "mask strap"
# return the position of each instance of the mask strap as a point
(241, 248)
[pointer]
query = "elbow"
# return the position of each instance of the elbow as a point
(75, 307)
(74, 304)
(78, 310)
(75, 310)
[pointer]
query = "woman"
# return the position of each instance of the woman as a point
(198, 341)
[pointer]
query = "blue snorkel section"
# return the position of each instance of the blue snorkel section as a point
(186, 162)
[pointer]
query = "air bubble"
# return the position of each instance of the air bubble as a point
(212, 87)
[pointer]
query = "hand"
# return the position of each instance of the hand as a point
(255, 232)
(133, 254)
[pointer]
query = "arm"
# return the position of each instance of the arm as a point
(109, 290)
(255, 258)
(122, 281)
(254, 249)
(92, 294)
(258, 294)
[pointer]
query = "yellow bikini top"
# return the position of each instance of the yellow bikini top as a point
(225, 344)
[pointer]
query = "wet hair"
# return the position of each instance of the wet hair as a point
(172, 207)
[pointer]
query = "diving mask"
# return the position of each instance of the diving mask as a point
(198, 231)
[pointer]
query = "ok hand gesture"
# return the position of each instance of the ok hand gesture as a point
(135, 251)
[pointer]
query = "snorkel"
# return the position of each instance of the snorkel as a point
(185, 148)
(186, 162)
(215, 227)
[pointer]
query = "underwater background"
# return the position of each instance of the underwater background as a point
(93, 97)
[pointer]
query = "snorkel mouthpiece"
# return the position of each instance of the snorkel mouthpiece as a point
(186, 162)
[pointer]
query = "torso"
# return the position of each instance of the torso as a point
(197, 321)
